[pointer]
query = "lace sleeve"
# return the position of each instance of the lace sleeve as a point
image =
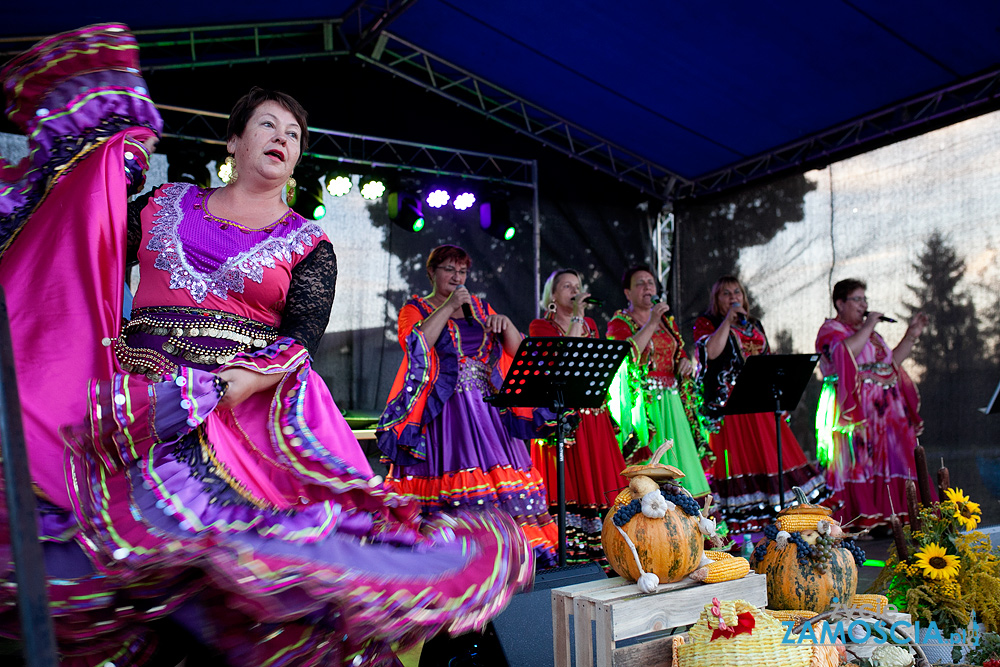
(310, 297)
(134, 228)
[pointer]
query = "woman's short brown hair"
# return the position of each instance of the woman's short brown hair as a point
(631, 271)
(446, 253)
(246, 105)
(844, 288)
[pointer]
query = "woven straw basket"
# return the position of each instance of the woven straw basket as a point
(761, 648)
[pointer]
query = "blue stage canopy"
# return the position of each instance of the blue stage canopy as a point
(683, 91)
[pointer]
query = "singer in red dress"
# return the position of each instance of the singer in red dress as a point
(868, 418)
(745, 474)
(593, 459)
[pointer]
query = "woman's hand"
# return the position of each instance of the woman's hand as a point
(656, 315)
(497, 323)
(150, 144)
(685, 367)
(580, 304)
(460, 297)
(243, 383)
(736, 313)
(917, 325)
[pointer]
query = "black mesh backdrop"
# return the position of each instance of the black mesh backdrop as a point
(381, 265)
(920, 222)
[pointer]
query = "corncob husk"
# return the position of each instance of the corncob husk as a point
(793, 615)
(727, 569)
(799, 522)
(869, 602)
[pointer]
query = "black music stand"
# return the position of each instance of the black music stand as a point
(561, 373)
(994, 404)
(771, 383)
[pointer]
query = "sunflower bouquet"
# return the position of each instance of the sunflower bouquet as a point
(941, 569)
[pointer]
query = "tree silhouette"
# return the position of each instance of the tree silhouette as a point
(713, 231)
(952, 339)
(950, 349)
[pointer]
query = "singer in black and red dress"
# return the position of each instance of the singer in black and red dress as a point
(449, 448)
(745, 473)
(592, 457)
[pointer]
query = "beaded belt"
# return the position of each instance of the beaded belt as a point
(158, 340)
(878, 372)
(659, 385)
(474, 374)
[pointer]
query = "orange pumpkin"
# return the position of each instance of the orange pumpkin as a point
(670, 547)
(804, 586)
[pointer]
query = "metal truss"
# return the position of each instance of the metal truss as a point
(361, 33)
(424, 69)
(234, 44)
(366, 19)
(968, 98)
(363, 150)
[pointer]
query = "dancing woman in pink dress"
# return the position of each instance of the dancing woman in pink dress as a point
(190, 464)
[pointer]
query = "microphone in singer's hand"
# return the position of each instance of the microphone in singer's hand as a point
(592, 301)
(881, 318)
(467, 313)
(742, 321)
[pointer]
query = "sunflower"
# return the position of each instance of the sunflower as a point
(956, 496)
(966, 512)
(936, 562)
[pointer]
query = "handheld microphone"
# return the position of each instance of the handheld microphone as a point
(655, 299)
(743, 318)
(592, 301)
(882, 318)
(466, 309)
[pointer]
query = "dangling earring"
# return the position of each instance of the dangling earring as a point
(552, 307)
(290, 191)
(228, 172)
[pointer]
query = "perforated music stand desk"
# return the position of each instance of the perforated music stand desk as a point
(771, 383)
(562, 373)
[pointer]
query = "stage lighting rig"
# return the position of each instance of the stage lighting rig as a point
(372, 187)
(494, 219)
(437, 198)
(405, 211)
(338, 183)
(464, 201)
(309, 192)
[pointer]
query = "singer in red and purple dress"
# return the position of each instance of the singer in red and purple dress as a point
(652, 396)
(592, 458)
(190, 464)
(745, 473)
(449, 448)
(868, 417)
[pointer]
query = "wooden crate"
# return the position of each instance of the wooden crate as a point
(620, 612)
